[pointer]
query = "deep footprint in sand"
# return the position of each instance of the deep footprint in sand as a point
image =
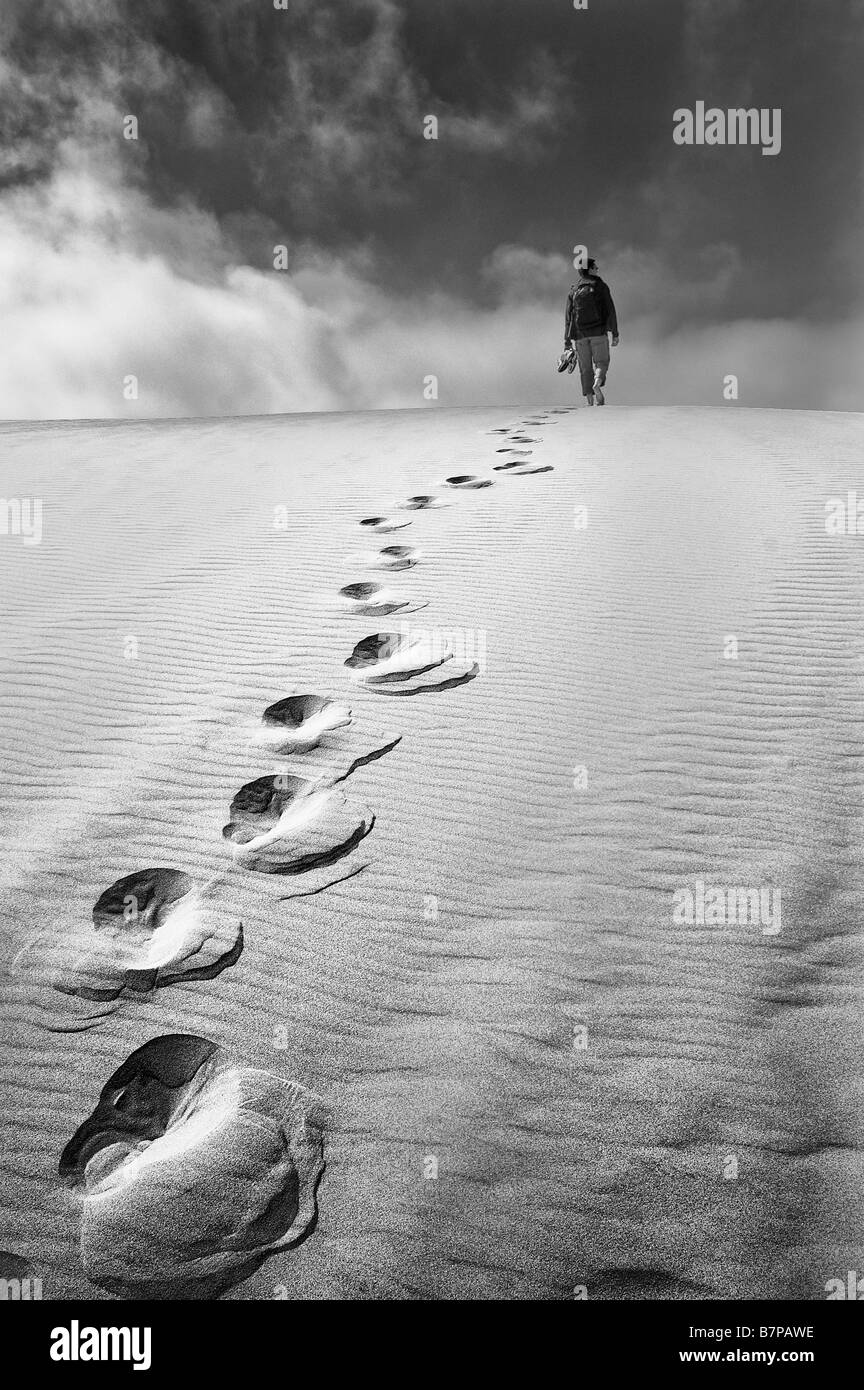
(392, 663)
(163, 927)
(283, 824)
(382, 524)
(468, 481)
(369, 600)
(192, 1169)
(517, 453)
(297, 723)
(151, 928)
(396, 557)
(524, 439)
(392, 656)
(300, 724)
(424, 501)
(390, 557)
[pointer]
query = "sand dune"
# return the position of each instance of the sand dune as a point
(557, 963)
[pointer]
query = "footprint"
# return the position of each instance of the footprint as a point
(159, 923)
(151, 928)
(392, 557)
(524, 439)
(284, 824)
(392, 656)
(468, 480)
(192, 1169)
(422, 502)
(517, 453)
(374, 601)
(393, 663)
(396, 557)
(381, 524)
(297, 723)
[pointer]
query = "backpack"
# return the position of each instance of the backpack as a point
(587, 304)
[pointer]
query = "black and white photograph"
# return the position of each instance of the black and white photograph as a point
(432, 664)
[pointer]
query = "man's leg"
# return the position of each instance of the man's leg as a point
(586, 366)
(600, 354)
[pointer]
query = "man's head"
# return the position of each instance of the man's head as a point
(590, 267)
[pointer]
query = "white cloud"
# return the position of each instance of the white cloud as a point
(97, 284)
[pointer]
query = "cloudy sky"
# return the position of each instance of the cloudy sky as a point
(406, 257)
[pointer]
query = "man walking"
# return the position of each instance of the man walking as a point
(589, 319)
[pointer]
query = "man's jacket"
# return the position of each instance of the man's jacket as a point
(601, 311)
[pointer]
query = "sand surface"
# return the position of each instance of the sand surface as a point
(610, 1098)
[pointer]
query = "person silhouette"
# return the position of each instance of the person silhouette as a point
(589, 319)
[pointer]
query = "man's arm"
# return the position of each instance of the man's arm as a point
(568, 315)
(611, 316)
